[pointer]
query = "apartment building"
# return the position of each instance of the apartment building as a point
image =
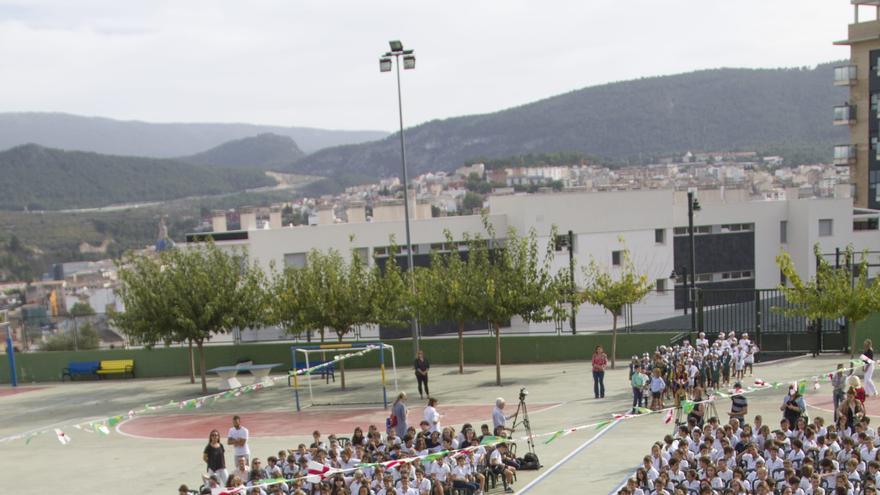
(737, 239)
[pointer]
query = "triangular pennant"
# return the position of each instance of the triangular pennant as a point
(554, 436)
(64, 439)
(488, 439)
(644, 410)
(668, 417)
(603, 424)
(687, 406)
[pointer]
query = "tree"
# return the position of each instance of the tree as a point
(844, 292)
(189, 295)
(516, 281)
(328, 292)
(471, 201)
(81, 309)
(614, 293)
(447, 290)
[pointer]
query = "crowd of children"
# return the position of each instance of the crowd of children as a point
(674, 372)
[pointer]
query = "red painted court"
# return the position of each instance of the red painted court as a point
(327, 420)
(8, 391)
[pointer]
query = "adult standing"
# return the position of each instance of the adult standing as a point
(432, 416)
(739, 405)
(838, 382)
(793, 405)
(421, 366)
(238, 438)
(851, 409)
(398, 413)
(868, 352)
(499, 420)
(214, 456)
(600, 361)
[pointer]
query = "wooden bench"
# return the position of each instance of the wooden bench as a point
(117, 367)
(85, 368)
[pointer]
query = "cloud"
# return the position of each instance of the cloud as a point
(315, 63)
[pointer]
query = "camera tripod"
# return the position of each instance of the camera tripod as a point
(708, 412)
(522, 408)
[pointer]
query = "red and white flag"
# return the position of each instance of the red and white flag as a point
(318, 472)
(668, 417)
(760, 383)
(64, 439)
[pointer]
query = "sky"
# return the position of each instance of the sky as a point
(314, 63)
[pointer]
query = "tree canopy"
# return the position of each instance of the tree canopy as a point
(615, 290)
(189, 294)
(844, 292)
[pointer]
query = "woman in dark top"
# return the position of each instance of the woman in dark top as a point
(214, 456)
(421, 367)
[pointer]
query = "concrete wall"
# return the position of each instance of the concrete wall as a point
(163, 362)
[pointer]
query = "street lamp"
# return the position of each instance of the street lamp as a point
(693, 205)
(409, 62)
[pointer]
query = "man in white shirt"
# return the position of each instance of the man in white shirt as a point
(238, 437)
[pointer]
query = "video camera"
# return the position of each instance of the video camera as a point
(523, 393)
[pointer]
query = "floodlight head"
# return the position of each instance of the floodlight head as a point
(696, 206)
(396, 45)
(385, 64)
(409, 62)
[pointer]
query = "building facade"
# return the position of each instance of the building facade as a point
(860, 113)
(736, 239)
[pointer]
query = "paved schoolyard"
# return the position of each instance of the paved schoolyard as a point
(158, 452)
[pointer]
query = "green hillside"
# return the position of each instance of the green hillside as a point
(262, 152)
(722, 109)
(38, 178)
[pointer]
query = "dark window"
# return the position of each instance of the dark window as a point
(615, 258)
(783, 232)
(826, 227)
(660, 285)
(660, 236)
(561, 242)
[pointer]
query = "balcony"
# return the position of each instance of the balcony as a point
(844, 114)
(845, 75)
(844, 154)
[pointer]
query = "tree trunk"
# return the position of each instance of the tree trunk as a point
(460, 347)
(613, 339)
(852, 339)
(202, 367)
(192, 363)
(497, 354)
(342, 366)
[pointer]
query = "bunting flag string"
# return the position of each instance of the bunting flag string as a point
(104, 425)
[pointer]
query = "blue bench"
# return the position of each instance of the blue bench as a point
(85, 368)
(323, 371)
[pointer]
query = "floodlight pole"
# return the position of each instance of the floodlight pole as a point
(693, 291)
(396, 52)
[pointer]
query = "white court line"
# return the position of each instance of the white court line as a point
(569, 457)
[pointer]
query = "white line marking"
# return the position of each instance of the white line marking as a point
(567, 458)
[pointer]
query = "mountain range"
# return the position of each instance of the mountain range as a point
(37, 178)
(157, 140)
(720, 109)
(262, 152)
